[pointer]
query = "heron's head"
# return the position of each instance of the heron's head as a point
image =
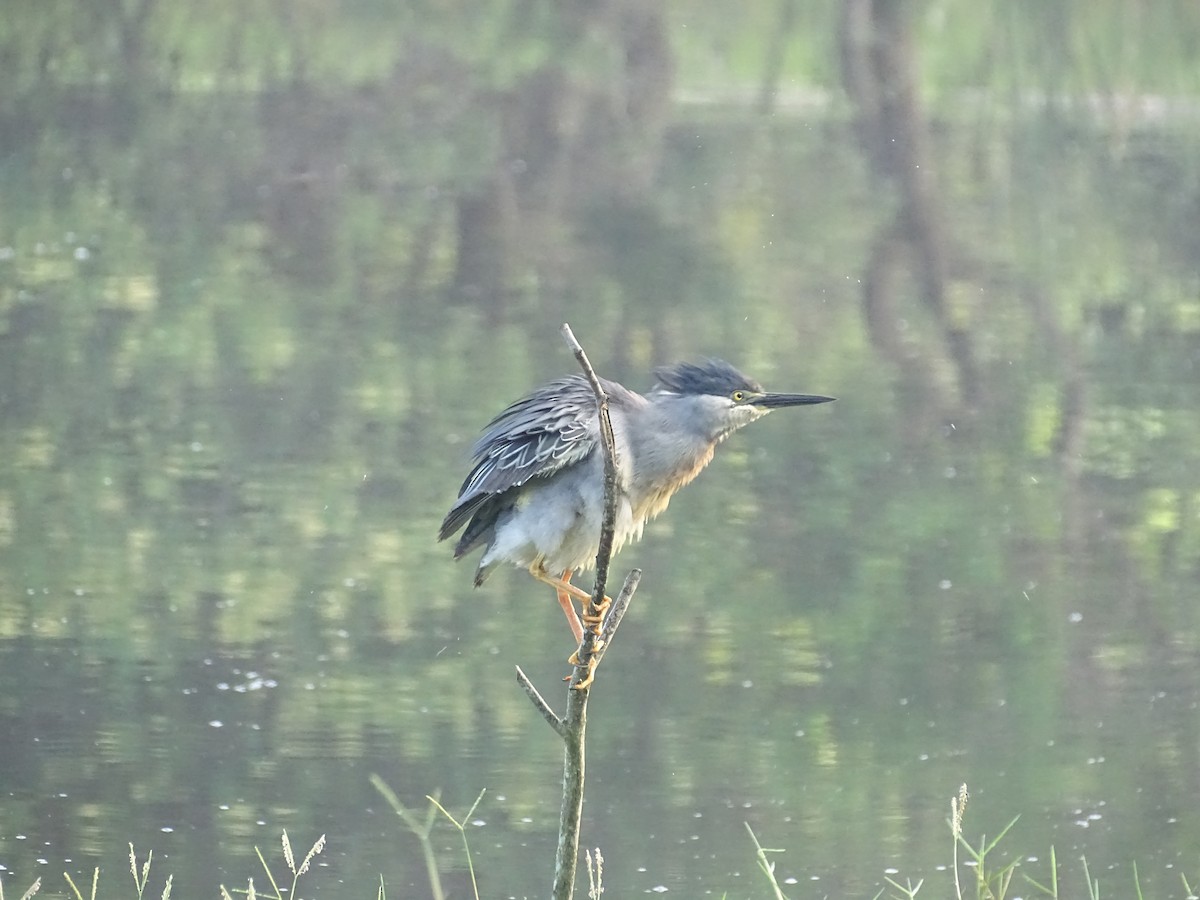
(718, 399)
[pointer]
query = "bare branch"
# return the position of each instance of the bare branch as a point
(607, 528)
(612, 621)
(574, 721)
(572, 726)
(540, 703)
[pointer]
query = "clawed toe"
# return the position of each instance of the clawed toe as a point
(597, 620)
(586, 681)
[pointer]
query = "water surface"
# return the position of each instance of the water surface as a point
(246, 340)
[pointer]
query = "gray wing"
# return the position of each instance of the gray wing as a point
(554, 427)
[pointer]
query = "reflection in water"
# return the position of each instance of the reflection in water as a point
(881, 72)
(246, 339)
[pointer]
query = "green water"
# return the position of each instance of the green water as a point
(252, 316)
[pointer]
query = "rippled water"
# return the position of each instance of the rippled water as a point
(238, 383)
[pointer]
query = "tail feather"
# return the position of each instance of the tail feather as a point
(459, 514)
(483, 572)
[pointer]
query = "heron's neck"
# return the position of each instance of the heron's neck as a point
(670, 452)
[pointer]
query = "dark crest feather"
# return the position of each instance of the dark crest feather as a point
(713, 376)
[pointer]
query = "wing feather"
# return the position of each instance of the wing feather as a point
(554, 427)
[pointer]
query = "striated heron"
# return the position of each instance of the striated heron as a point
(535, 497)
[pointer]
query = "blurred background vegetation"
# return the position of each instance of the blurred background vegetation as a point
(266, 268)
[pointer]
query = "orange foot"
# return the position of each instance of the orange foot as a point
(586, 681)
(598, 619)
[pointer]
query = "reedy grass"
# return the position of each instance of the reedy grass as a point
(140, 883)
(768, 867)
(139, 880)
(95, 882)
(994, 883)
(33, 889)
(141, 876)
(462, 830)
(423, 829)
(290, 859)
(595, 870)
(1050, 890)
(990, 883)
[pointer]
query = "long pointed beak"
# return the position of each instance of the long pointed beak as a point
(778, 401)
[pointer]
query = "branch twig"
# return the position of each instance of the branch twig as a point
(607, 528)
(540, 703)
(575, 719)
(572, 726)
(613, 620)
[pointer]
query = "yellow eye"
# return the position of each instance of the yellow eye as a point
(738, 396)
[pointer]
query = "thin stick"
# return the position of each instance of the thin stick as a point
(574, 721)
(566, 854)
(573, 724)
(613, 620)
(608, 525)
(574, 729)
(540, 703)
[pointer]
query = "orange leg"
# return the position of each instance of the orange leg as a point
(563, 585)
(564, 600)
(565, 591)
